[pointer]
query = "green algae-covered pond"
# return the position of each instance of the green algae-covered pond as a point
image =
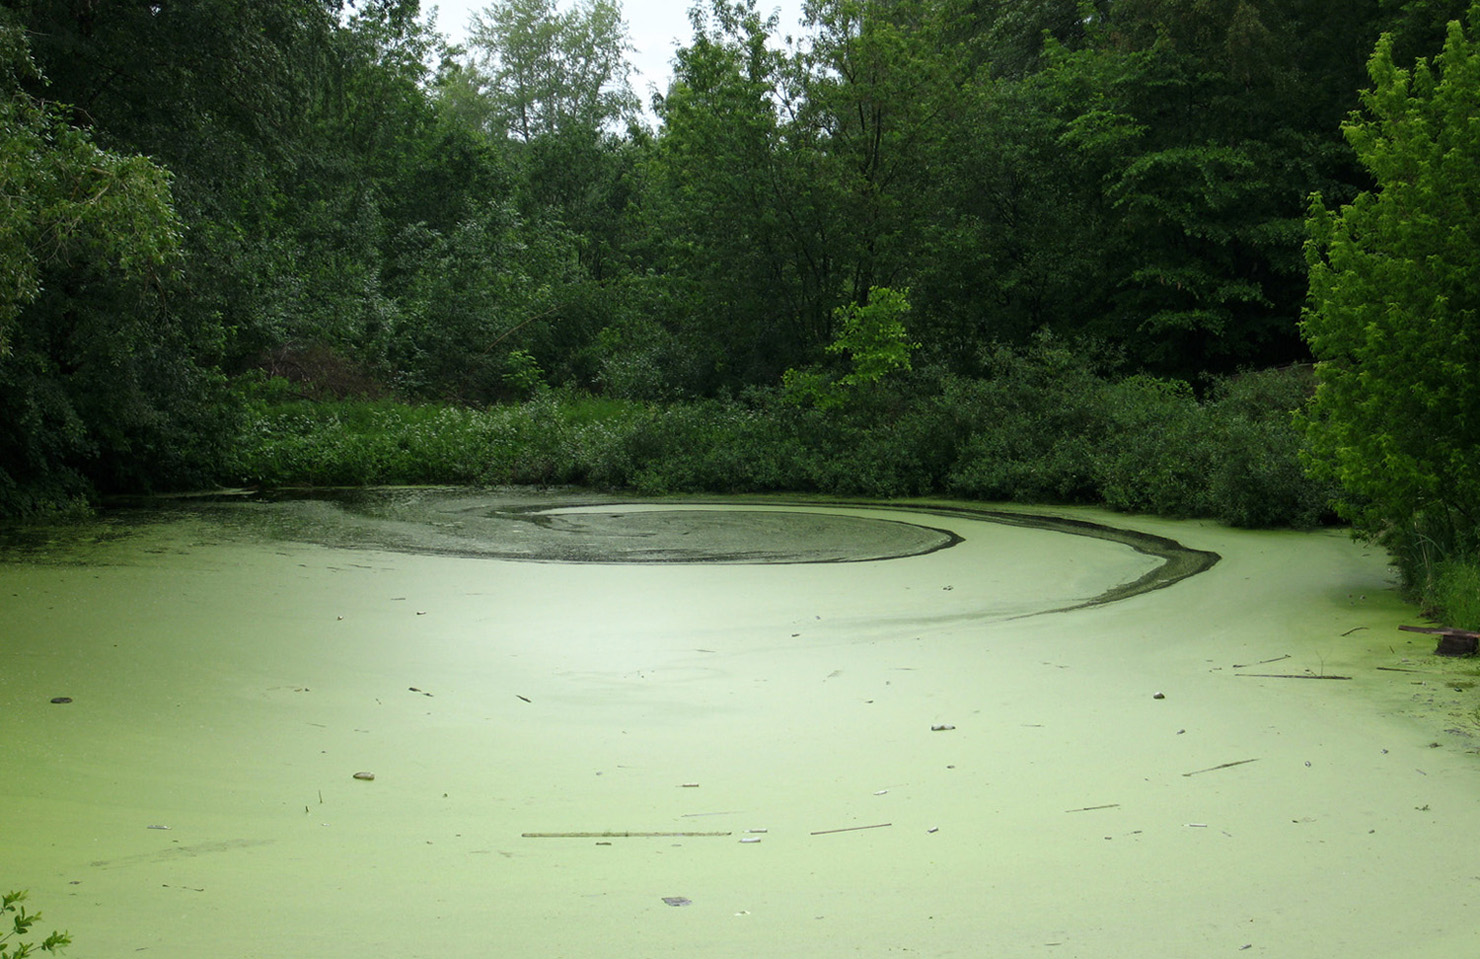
(601, 728)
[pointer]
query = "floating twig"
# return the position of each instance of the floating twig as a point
(824, 832)
(1261, 662)
(615, 835)
(525, 698)
(1110, 805)
(1353, 630)
(1400, 669)
(1221, 766)
(1291, 676)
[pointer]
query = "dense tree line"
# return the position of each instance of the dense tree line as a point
(204, 193)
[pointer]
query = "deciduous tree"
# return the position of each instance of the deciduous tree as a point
(546, 69)
(1394, 310)
(98, 382)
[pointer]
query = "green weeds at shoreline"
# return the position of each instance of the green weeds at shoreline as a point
(1041, 430)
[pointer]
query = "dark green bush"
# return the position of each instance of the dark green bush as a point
(1158, 452)
(1258, 478)
(1038, 420)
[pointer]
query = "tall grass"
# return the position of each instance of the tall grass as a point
(1454, 596)
(1437, 554)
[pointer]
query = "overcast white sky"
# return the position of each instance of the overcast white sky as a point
(656, 27)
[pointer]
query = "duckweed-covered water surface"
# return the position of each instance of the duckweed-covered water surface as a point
(603, 728)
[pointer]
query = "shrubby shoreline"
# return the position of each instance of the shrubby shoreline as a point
(1044, 428)
(1040, 435)
(749, 298)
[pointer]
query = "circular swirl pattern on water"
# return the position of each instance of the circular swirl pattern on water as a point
(568, 527)
(580, 529)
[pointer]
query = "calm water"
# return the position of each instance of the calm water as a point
(937, 726)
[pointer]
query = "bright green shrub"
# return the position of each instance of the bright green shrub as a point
(1394, 300)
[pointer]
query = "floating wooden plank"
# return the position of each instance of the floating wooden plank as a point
(1452, 642)
(1289, 676)
(1439, 630)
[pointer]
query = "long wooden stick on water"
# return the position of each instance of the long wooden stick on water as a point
(877, 825)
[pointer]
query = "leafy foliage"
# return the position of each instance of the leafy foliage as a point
(1453, 592)
(874, 337)
(546, 70)
(1394, 277)
(1045, 427)
(63, 199)
(14, 915)
(98, 374)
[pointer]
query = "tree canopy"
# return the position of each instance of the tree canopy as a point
(1394, 315)
(544, 70)
(89, 358)
(208, 192)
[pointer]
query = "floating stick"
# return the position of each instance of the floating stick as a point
(824, 832)
(1261, 662)
(1221, 766)
(1289, 676)
(614, 835)
(1111, 805)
